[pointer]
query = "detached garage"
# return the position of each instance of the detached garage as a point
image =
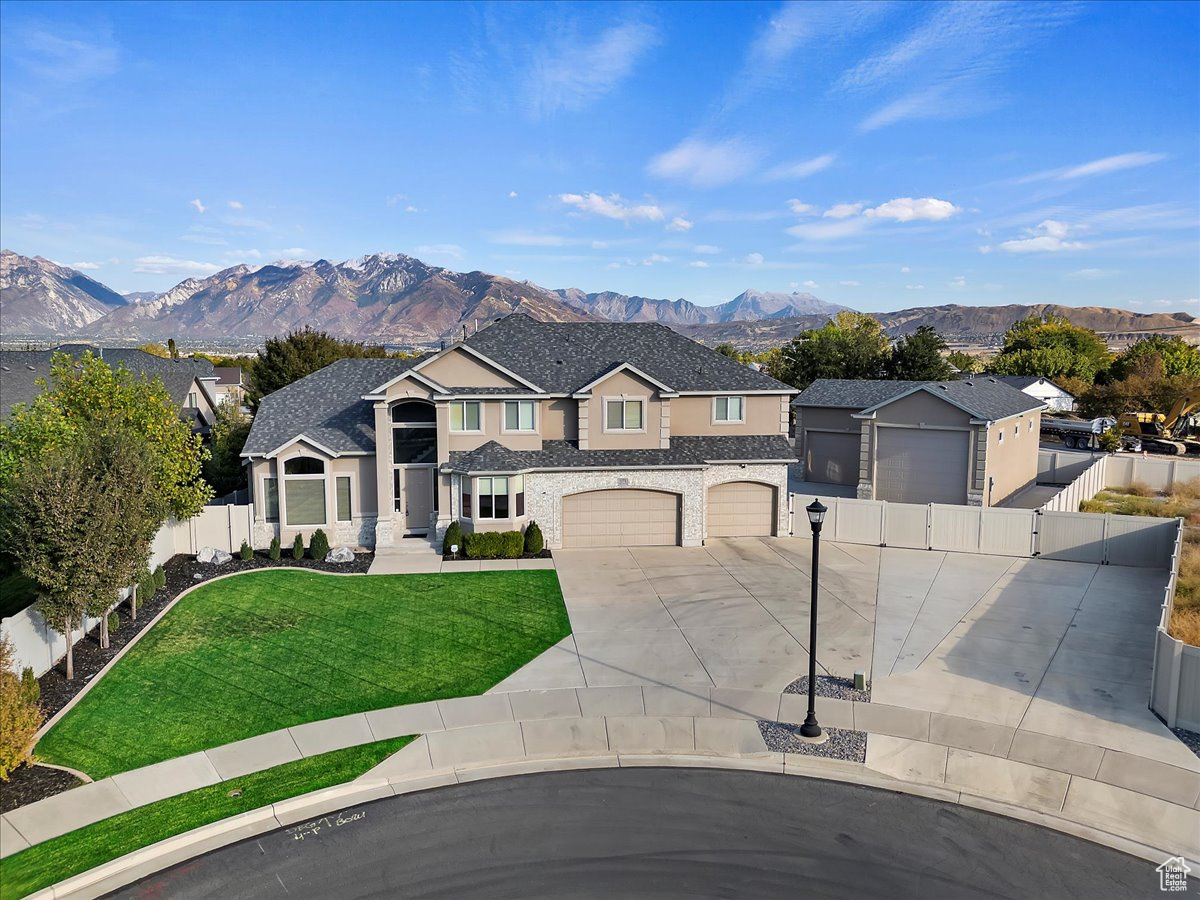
(620, 518)
(831, 457)
(741, 509)
(914, 465)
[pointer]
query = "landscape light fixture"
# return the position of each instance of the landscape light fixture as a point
(816, 516)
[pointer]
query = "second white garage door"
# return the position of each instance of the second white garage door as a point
(921, 466)
(741, 509)
(620, 518)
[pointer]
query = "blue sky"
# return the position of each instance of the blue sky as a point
(876, 155)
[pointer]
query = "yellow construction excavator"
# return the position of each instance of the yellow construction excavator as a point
(1175, 433)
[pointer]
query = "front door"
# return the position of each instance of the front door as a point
(418, 498)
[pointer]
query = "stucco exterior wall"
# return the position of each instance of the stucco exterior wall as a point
(624, 384)
(560, 419)
(694, 415)
(1011, 463)
(492, 429)
(458, 368)
(923, 409)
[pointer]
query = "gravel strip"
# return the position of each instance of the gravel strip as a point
(831, 686)
(1190, 738)
(782, 737)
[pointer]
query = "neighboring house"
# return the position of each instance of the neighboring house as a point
(188, 381)
(1055, 398)
(229, 384)
(605, 434)
(971, 442)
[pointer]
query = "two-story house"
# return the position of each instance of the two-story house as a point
(605, 434)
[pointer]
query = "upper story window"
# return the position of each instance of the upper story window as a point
(624, 415)
(414, 412)
(304, 465)
(466, 415)
(729, 409)
(519, 415)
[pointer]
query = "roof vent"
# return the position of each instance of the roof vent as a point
(558, 362)
(993, 381)
(969, 383)
(943, 387)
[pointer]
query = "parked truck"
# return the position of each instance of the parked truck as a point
(1084, 434)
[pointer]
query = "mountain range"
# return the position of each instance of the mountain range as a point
(397, 299)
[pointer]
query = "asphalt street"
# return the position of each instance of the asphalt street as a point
(662, 833)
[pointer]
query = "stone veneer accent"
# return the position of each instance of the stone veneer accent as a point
(361, 531)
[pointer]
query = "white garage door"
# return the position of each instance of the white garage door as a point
(921, 466)
(831, 458)
(620, 518)
(741, 509)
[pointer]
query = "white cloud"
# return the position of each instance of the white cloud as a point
(168, 265)
(243, 254)
(291, 253)
(411, 209)
(801, 208)
(906, 209)
(905, 269)
(655, 258)
(706, 163)
(1103, 166)
(698, 264)
(1090, 274)
(599, 245)
(850, 283)
(200, 207)
(733, 215)
(57, 57)
(706, 249)
(801, 169)
(829, 231)
(613, 207)
(1047, 237)
(959, 282)
(512, 195)
(843, 210)
(568, 72)
(528, 239)
(439, 251)
(85, 266)
(810, 284)
(235, 204)
(396, 199)
(247, 222)
(914, 287)
(753, 259)
(679, 223)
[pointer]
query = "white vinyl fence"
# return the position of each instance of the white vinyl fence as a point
(1088, 482)
(1175, 683)
(39, 646)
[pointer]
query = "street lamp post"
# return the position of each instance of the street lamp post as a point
(816, 515)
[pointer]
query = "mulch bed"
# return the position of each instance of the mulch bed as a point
(1190, 738)
(31, 783)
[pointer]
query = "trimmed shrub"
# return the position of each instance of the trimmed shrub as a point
(19, 718)
(274, 552)
(31, 688)
(114, 622)
(534, 542)
(160, 578)
(454, 536)
(318, 547)
(494, 544)
(247, 552)
(298, 547)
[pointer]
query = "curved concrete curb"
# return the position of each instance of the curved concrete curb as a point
(309, 807)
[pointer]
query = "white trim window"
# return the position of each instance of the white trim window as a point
(342, 493)
(271, 498)
(729, 410)
(304, 491)
(624, 414)
(466, 416)
(492, 494)
(519, 416)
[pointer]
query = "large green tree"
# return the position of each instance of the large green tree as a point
(1171, 357)
(284, 360)
(1051, 347)
(964, 362)
(84, 391)
(224, 469)
(918, 357)
(850, 345)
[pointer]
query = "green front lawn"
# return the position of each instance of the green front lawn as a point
(275, 648)
(31, 870)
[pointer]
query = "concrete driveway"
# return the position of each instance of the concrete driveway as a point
(1054, 648)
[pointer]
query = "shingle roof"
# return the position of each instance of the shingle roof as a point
(228, 374)
(326, 406)
(1020, 382)
(20, 369)
(983, 397)
(683, 452)
(562, 357)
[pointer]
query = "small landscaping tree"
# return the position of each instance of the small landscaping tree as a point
(453, 536)
(274, 552)
(318, 546)
(114, 622)
(20, 716)
(160, 578)
(298, 547)
(247, 552)
(534, 543)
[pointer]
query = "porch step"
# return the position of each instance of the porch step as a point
(405, 546)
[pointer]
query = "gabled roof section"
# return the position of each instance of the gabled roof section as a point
(302, 439)
(327, 407)
(981, 398)
(564, 357)
(624, 367)
(482, 357)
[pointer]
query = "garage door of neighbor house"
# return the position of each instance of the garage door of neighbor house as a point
(921, 466)
(620, 518)
(741, 509)
(831, 458)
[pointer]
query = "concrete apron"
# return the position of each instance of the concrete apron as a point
(1123, 801)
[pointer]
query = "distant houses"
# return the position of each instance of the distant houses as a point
(1055, 398)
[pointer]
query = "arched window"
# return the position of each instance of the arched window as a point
(304, 491)
(304, 465)
(414, 412)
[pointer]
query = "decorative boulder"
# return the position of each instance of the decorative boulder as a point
(213, 556)
(340, 555)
